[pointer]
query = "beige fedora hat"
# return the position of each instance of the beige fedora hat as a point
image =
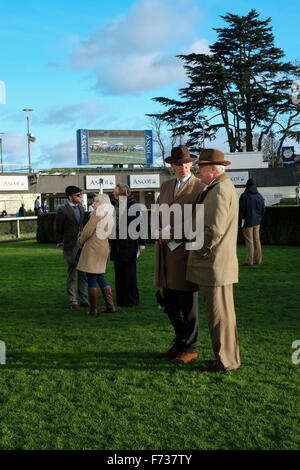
(212, 157)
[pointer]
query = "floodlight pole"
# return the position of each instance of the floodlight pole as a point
(28, 139)
(1, 152)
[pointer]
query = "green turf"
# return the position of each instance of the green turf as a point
(78, 382)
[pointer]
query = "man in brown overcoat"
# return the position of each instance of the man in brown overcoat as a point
(214, 267)
(180, 302)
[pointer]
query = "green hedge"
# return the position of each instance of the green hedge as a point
(288, 201)
(45, 227)
(280, 226)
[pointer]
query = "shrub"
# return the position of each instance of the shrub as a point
(288, 201)
(280, 226)
(46, 227)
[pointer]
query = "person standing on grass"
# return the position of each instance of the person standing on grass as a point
(214, 267)
(94, 254)
(124, 251)
(180, 297)
(252, 209)
(68, 226)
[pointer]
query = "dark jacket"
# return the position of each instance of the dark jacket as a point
(66, 226)
(252, 207)
(22, 212)
(125, 249)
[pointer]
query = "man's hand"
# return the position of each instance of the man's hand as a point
(165, 235)
(141, 248)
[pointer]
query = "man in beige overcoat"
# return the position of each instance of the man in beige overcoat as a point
(180, 303)
(214, 267)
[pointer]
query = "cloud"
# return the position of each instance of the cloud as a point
(60, 155)
(14, 148)
(137, 52)
(198, 46)
(85, 112)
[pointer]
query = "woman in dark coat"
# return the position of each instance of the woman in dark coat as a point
(124, 251)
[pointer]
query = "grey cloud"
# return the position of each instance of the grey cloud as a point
(87, 112)
(62, 154)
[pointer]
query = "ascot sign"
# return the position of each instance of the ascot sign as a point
(93, 182)
(239, 178)
(13, 183)
(144, 181)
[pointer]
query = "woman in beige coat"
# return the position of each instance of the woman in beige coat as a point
(94, 254)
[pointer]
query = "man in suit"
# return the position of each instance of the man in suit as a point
(214, 267)
(69, 225)
(180, 296)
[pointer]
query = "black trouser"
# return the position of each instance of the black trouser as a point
(126, 284)
(182, 308)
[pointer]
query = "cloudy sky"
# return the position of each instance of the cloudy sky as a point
(96, 64)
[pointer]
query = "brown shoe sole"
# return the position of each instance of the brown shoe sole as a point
(184, 360)
(167, 354)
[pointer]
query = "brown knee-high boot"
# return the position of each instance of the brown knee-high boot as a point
(108, 297)
(93, 297)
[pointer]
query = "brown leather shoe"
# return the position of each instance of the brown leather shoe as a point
(213, 367)
(172, 352)
(74, 306)
(92, 312)
(184, 357)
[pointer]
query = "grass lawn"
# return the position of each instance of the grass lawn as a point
(78, 382)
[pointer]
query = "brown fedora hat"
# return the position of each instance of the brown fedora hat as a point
(212, 157)
(180, 155)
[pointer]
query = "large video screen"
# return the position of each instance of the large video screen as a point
(96, 147)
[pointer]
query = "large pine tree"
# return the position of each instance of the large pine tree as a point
(244, 80)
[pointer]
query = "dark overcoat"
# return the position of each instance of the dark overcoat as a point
(67, 226)
(251, 207)
(125, 250)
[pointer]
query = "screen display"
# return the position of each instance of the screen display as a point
(96, 147)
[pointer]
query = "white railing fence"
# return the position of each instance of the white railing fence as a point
(17, 219)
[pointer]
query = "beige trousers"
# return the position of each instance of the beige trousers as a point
(220, 314)
(252, 241)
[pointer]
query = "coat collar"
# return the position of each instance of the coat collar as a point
(184, 189)
(217, 180)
